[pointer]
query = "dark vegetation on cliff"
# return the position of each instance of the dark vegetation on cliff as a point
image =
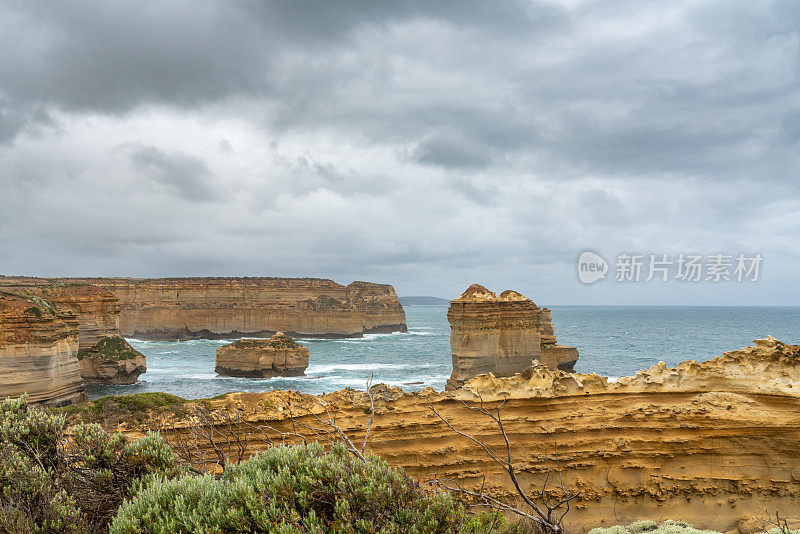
(111, 348)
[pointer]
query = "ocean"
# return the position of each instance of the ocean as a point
(612, 341)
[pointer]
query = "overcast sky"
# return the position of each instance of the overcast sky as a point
(424, 144)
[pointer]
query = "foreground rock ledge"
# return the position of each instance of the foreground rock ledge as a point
(279, 355)
(710, 443)
(501, 335)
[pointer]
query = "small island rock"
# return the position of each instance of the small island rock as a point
(279, 355)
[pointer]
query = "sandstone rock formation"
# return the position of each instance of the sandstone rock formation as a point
(104, 356)
(263, 358)
(38, 351)
(216, 308)
(708, 443)
(501, 335)
(111, 360)
(97, 309)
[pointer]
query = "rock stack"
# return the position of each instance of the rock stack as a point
(279, 355)
(501, 335)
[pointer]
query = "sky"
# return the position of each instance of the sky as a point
(428, 145)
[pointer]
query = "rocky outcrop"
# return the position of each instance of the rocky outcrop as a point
(279, 355)
(111, 360)
(709, 443)
(105, 357)
(501, 335)
(97, 309)
(38, 351)
(217, 308)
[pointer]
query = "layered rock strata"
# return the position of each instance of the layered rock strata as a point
(111, 360)
(38, 351)
(709, 443)
(501, 335)
(105, 358)
(216, 308)
(279, 355)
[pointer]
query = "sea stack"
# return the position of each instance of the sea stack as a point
(279, 355)
(501, 335)
(111, 360)
(38, 351)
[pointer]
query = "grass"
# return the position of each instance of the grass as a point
(115, 409)
(280, 343)
(111, 348)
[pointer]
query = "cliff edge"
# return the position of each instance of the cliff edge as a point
(218, 308)
(38, 351)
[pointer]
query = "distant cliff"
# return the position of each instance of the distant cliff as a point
(38, 351)
(193, 308)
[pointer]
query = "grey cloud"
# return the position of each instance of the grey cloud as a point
(361, 139)
(185, 175)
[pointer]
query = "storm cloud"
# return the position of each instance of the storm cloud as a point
(424, 144)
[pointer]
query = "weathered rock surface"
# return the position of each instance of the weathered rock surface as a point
(263, 358)
(193, 308)
(111, 360)
(708, 443)
(38, 351)
(501, 335)
(97, 309)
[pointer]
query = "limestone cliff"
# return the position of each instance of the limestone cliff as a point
(105, 357)
(38, 351)
(708, 443)
(501, 335)
(111, 360)
(97, 309)
(262, 358)
(192, 308)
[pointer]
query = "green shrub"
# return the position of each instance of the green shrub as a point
(290, 490)
(667, 527)
(53, 482)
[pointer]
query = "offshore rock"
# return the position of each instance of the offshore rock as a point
(501, 335)
(219, 308)
(38, 351)
(111, 360)
(263, 358)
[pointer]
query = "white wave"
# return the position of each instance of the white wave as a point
(318, 369)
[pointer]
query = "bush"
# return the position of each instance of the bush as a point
(52, 482)
(292, 489)
(651, 527)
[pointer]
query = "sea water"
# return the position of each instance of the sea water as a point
(612, 341)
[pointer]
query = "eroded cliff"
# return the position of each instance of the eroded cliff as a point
(191, 308)
(709, 443)
(38, 351)
(501, 335)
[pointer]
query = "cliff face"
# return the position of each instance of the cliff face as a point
(97, 309)
(191, 308)
(709, 443)
(262, 358)
(501, 335)
(38, 351)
